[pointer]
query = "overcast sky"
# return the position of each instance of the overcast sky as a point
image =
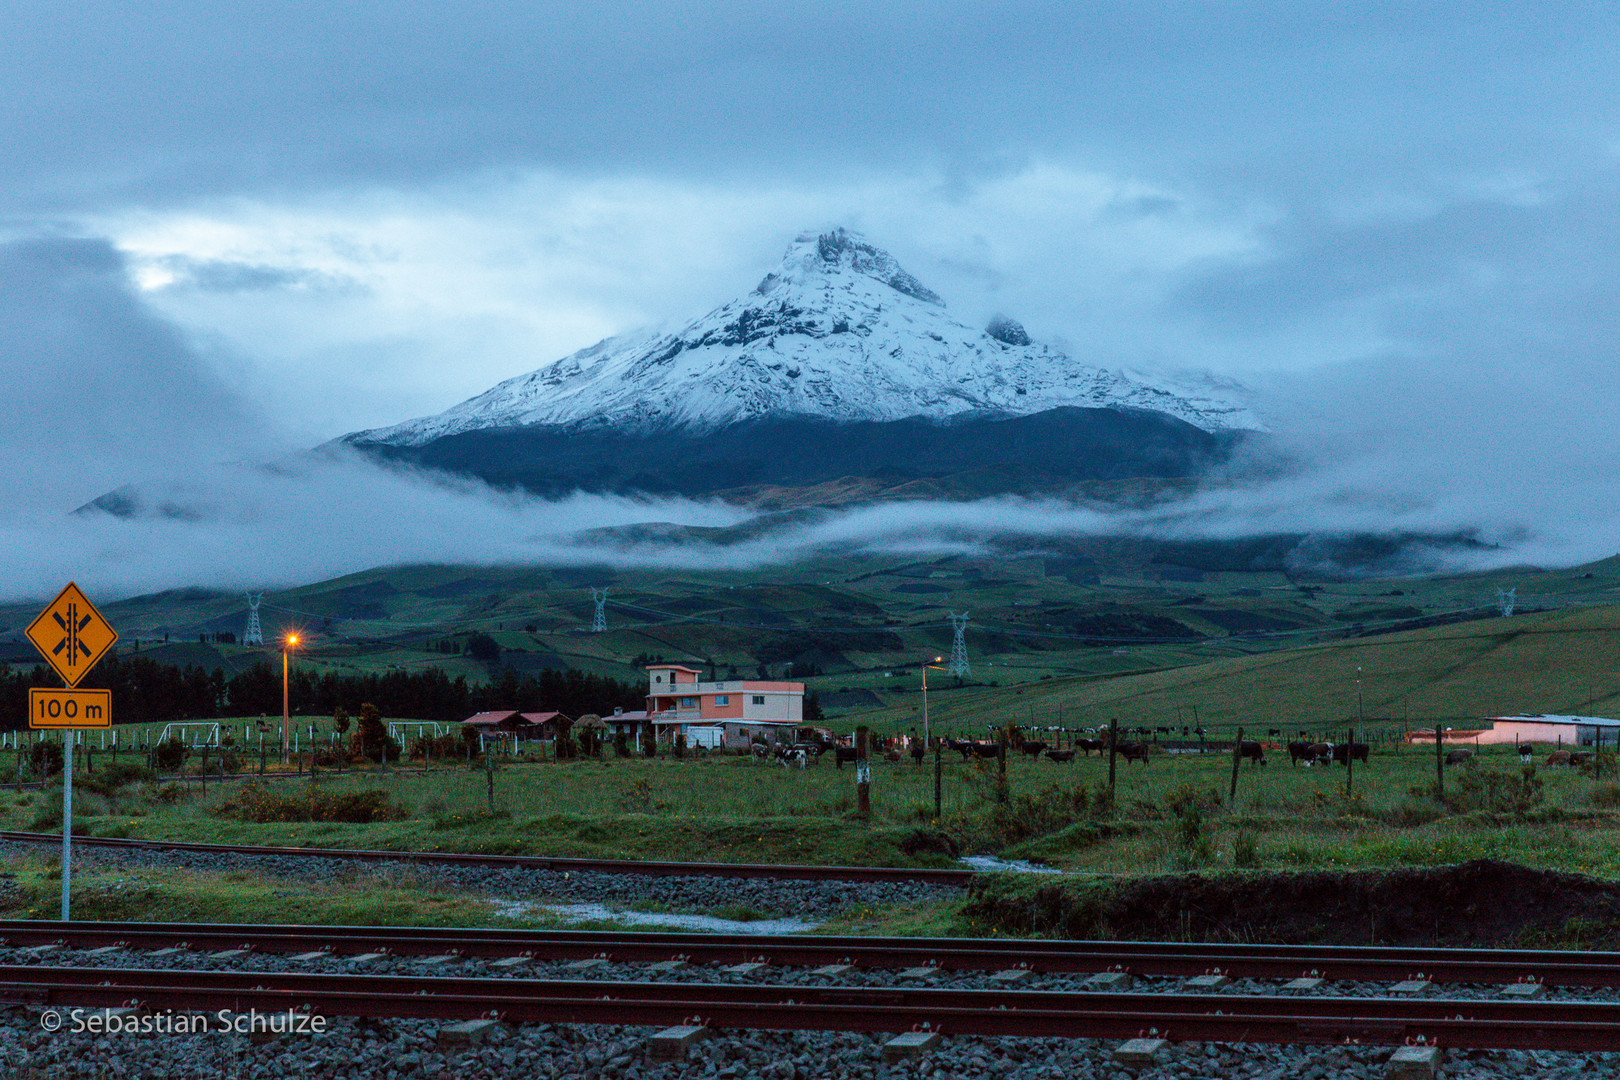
(226, 231)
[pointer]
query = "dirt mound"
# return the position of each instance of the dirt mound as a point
(1484, 902)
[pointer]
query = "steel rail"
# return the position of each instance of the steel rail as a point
(797, 872)
(1156, 959)
(1482, 1024)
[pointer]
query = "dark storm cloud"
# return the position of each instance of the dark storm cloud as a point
(99, 386)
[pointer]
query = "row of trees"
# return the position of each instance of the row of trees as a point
(143, 689)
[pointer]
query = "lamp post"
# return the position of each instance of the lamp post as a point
(935, 664)
(286, 647)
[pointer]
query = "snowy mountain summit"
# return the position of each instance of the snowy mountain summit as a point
(838, 332)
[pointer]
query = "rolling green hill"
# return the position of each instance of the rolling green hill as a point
(1076, 632)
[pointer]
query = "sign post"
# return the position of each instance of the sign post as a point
(71, 635)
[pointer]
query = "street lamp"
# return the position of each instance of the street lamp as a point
(935, 664)
(287, 645)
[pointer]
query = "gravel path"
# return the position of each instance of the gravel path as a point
(800, 899)
(408, 1048)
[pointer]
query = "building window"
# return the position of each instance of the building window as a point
(759, 699)
(688, 702)
(722, 699)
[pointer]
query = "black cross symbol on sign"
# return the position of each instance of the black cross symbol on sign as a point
(74, 626)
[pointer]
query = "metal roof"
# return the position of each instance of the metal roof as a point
(1557, 718)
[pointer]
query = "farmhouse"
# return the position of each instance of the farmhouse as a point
(721, 713)
(1555, 729)
(509, 723)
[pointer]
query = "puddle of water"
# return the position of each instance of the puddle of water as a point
(662, 919)
(1017, 866)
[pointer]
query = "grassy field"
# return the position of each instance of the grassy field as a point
(1175, 813)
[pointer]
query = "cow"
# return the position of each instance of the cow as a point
(1062, 757)
(1033, 749)
(918, 752)
(842, 754)
(1252, 752)
(1526, 752)
(1460, 756)
(1299, 751)
(1345, 753)
(1132, 751)
(1088, 745)
(1323, 752)
(1558, 757)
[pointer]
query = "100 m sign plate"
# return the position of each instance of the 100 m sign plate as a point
(69, 708)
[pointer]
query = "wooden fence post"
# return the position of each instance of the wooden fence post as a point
(938, 773)
(863, 771)
(1350, 762)
(1237, 756)
(1113, 744)
(1439, 764)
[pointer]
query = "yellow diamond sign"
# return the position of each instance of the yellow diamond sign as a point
(72, 635)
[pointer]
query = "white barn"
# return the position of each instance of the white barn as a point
(1555, 729)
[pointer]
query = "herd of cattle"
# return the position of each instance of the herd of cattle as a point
(1300, 751)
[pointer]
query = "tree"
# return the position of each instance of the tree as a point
(372, 739)
(483, 647)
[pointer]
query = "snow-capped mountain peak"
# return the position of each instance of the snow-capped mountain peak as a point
(838, 331)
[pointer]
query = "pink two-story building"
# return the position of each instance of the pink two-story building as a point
(721, 713)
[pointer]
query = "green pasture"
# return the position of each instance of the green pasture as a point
(1174, 813)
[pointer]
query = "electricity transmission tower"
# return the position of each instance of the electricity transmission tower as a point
(959, 659)
(253, 635)
(1505, 600)
(599, 622)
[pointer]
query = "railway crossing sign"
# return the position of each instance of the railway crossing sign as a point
(71, 635)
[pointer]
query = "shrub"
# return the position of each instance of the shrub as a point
(371, 739)
(258, 804)
(107, 780)
(1605, 794)
(439, 747)
(1245, 849)
(169, 755)
(44, 759)
(1495, 792)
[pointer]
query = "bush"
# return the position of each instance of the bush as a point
(258, 804)
(1495, 792)
(1605, 794)
(169, 755)
(1245, 850)
(371, 740)
(439, 747)
(107, 780)
(44, 759)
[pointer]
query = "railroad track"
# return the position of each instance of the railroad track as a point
(1480, 1024)
(930, 876)
(1136, 958)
